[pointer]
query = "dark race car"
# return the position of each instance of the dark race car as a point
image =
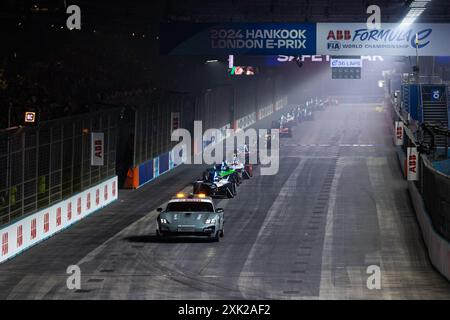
(288, 120)
(309, 114)
(250, 157)
(285, 131)
(245, 171)
(300, 113)
(217, 182)
(321, 105)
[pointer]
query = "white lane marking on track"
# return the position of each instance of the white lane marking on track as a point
(386, 224)
(287, 190)
(327, 288)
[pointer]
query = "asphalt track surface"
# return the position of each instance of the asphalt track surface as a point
(337, 205)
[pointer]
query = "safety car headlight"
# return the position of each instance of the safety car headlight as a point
(210, 221)
(163, 220)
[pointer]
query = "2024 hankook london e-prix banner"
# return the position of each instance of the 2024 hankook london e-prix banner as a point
(425, 39)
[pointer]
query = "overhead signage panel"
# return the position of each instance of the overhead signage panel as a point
(296, 39)
(392, 39)
(238, 38)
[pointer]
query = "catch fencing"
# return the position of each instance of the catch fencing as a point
(47, 163)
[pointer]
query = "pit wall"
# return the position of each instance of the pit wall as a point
(27, 232)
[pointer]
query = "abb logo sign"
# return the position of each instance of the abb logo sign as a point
(69, 211)
(97, 197)
(412, 163)
(33, 229)
(19, 236)
(339, 35)
(79, 206)
(58, 217)
(46, 222)
(399, 133)
(105, 193)
(97, 148)
(88, 201)
(114, 188)
(4, 244)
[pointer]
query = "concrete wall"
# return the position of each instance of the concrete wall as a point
(438, 248)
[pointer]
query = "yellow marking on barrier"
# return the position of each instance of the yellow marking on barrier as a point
(379, 109)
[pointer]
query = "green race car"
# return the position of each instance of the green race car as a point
(218, 181)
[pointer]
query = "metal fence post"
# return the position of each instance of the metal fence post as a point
(61, 158)
(73, 161)
(8, 169)
(23, 172)
(82, 155)
(135, 136)
(37, 170)
(89, 148)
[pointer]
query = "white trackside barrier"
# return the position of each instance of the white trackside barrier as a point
(246, 121)
(281, 103)
(252, 118)
(265, 112)
(26, 232)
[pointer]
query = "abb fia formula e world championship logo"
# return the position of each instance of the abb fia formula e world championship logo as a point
(391, 37)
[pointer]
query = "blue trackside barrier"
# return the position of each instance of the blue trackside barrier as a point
(164, 163)
(145, 172)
